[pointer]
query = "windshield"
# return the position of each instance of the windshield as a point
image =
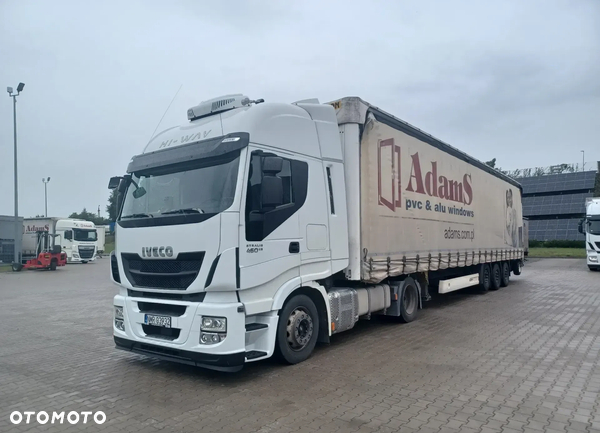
(594, 227)
(83, 235)
(206, 188)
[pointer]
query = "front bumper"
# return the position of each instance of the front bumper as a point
(230, 362)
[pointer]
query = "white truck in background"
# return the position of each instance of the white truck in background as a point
(264, 228)
(77, 237)
(590, 227)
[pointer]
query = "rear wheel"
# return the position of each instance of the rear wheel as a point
(496, 276)
(505, 274)
(485, 278)
(297, 330)
(410, 301)
(17, 267)
(53, 265)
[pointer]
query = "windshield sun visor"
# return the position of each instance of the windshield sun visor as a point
(211, 148)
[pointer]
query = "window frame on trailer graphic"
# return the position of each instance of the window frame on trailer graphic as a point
(396, 160)
(295, 173)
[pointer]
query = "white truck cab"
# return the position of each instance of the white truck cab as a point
(79, 239)
(590, 226)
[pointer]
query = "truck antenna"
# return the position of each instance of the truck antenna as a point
(165, 113)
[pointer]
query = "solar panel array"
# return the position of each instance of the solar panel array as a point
(547, 197)
(584, 180)
(555, 204)
(555, 229)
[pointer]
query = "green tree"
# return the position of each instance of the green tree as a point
(492, 163)
(88, 216)
(111, 207)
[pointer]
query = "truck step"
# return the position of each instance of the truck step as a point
(253, 354)
(255, 326)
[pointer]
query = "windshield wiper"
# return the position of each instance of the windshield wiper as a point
(138, 215)
(185, 211)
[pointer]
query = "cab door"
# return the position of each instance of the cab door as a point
(269, 234)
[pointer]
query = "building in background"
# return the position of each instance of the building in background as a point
(7, 238)
(554, 204)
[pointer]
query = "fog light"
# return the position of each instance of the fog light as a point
(215, 324)
(119, 312)
(120, 325)
(211, 337)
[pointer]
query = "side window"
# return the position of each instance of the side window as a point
(277, 188)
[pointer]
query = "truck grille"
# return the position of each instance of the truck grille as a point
(86, 252)
(172, 274)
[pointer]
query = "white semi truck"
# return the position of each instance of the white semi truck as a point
(590, 226)
(263, 228)
(78, 238)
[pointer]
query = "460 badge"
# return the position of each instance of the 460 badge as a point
(254, 248)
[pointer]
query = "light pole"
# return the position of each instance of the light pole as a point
(583, 160)
(17, 228)
(46, 194)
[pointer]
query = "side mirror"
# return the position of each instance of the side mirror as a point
(69, 235)
(114, 182)
(139, 192)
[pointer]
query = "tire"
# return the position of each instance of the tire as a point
(16, 267)
(297, 330)
(84, 262)
(409, 305)
(517, 266)
(53, 265)
(505, 274)
(496, 276)
(485, 278)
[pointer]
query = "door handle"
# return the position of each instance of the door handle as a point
(294, 247)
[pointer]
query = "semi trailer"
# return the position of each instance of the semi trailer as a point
(590, 227)
(265, 228)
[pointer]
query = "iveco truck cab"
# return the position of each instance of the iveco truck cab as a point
(590, 227)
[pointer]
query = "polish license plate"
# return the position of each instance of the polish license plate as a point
(162, 321)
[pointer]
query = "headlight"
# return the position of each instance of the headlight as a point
(211, 337)
(593, 259)
(214, 324)
(119, 312)
(120, 325)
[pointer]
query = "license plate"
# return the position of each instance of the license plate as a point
(162, 321)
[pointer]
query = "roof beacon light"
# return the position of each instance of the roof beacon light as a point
(219, 105)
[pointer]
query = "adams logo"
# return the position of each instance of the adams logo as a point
(430, 183)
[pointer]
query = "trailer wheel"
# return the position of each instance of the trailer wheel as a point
(505, 274)
(496, 276)
(53, 265)
(297, 330)
(409, 305)
(16, 267)
(517, 266)
(485, 277)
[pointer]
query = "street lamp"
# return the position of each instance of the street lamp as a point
(46, 194)
(17, 228)
(583, 160)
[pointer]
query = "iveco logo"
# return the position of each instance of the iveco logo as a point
(157, 251)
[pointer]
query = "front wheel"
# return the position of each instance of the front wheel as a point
(84, 262)
(297, 330)
(16, 267)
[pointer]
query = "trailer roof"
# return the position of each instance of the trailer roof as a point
(353, 109)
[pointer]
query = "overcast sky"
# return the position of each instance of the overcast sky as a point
(516, 80)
